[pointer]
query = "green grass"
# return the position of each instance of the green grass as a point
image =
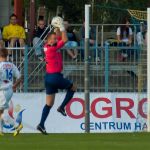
(121, 141)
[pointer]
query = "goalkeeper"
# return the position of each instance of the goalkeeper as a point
(54, 79)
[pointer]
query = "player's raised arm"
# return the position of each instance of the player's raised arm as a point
(64, 36)
(57, 22)
(63, 33)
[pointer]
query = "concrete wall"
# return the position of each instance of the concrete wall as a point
(5, 10)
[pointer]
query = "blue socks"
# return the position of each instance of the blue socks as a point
(45, 113)
(68, 97)
(47, 108)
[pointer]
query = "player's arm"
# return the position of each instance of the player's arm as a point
(17, 83)
(63, 33)
(64, 36)
(19, 78)
(58, 33)
(57, 22)
(63, 40)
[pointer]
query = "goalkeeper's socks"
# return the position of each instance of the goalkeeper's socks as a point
(68, 97)
(45, 113)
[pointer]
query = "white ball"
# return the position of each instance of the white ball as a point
(57, 21)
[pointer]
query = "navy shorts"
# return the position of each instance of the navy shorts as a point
(55, 81)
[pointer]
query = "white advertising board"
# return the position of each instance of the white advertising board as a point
(110, 112)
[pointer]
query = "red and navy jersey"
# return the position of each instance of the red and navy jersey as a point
(53, 57)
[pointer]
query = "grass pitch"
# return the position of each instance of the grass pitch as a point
(117, 141)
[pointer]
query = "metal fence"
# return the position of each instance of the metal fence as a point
(125, 74)
(109, 72)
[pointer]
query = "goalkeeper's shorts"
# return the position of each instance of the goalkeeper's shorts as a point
(56, 81)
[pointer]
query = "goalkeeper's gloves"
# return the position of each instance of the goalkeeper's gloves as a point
(57, 22)
(62, 27)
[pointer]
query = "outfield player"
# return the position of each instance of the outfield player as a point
(54, 79)
(7, 72)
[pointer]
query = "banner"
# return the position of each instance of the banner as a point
(109, 112)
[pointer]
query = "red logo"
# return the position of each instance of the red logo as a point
(121, 105)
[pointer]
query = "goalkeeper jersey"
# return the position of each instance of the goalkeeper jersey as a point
(53, 57)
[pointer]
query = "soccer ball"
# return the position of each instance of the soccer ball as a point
(57, 22)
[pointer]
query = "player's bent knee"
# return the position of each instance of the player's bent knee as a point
(50, 104)
(50, 100)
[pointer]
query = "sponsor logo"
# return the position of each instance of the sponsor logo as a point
(104, 108)
(13, 117)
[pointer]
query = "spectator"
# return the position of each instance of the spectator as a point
(38, 40)
(14, 33)
(124, 37)
(92, 38)
(1, 41)
(72, 42)
(142, 36)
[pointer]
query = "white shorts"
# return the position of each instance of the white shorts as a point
(5, 97)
